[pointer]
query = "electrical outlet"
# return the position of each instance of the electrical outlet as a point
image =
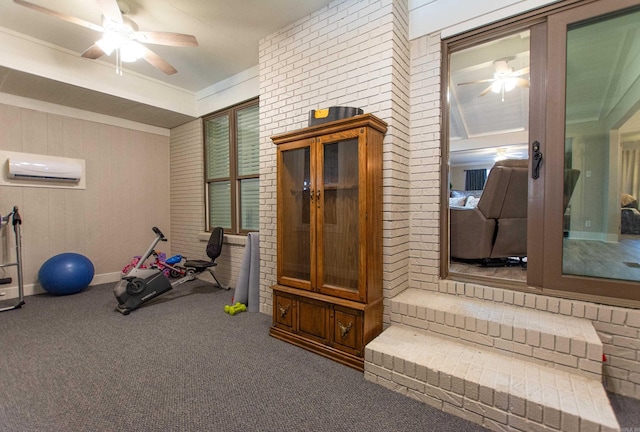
(587, 223)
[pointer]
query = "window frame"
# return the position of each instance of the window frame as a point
(233, 178)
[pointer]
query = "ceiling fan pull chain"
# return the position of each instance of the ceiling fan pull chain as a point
(118, 62)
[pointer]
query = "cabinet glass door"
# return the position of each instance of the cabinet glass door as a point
(295, 216)
(339, 236)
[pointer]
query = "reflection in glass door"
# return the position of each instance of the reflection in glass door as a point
(601, 220)
(488, 136)
(295, 237)
(340, 210)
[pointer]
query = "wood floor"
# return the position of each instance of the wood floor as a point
(619, 260)
(600, 259)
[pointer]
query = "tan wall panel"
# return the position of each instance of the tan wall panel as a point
(127, 176)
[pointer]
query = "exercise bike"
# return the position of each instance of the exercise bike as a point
(143, 284)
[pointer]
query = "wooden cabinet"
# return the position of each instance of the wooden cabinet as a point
(328, 296)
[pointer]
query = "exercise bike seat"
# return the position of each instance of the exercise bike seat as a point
(214, 248)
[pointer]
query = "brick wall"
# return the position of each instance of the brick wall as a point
(349, 53)
(187, 189)
(425, 161)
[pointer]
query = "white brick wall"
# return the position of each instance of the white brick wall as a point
(396, 157)
(187, 188)
(425, 161)
(350, 53)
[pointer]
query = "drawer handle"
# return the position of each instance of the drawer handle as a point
(283, 311)
(344, 329)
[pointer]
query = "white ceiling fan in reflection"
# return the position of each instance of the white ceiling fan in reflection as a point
(504, 78)
(120, 35)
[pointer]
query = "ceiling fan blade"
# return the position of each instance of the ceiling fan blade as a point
(520, 72)
(165, 38)
(476, 82)
(158, 62)
(110, 10)
(484, 92)
(64, 17)
(93, 52)
(521, 82)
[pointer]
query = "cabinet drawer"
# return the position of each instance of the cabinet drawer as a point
(284, 311)
(347, 330)
(313, 319)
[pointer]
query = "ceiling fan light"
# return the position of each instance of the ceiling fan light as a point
(501, 154)
(106, 46)
(496, 87)
(509, 84)
(131, 51)
(110, 42)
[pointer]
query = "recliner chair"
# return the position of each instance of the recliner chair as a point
(497, 227)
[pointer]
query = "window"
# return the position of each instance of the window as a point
(232, 179)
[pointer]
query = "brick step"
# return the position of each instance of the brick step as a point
(554, 340)
(484, 386)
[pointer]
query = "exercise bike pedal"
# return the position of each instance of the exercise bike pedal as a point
(123, 310)
(135, 285)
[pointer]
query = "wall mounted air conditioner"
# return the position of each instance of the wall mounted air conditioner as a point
(26, 169)
(44, 168)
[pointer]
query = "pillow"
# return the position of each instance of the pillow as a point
(457, 202)
(628, 201)
(472, 202)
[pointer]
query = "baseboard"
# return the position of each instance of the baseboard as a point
(106, 278)
(587, 235)
(11, 291)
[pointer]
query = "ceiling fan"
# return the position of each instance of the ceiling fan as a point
(504, 78)
(120, 35)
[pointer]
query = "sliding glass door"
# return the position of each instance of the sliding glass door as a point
(592, 243)
(556, 94)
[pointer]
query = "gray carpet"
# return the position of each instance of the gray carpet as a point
(180, 363)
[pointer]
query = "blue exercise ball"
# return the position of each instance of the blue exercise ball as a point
(66, 273)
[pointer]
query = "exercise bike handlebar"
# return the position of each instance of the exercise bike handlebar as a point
(159, 233)
(159, 237)
(17, 220)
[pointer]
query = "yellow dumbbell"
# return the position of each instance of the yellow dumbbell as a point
(236, 308)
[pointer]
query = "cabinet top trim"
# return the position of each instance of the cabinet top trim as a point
(364, 120)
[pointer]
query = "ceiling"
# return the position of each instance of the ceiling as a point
(228, 34)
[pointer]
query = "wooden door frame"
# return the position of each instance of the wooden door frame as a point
(280, 210)
(359, 136)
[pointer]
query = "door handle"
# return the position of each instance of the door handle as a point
(537, 159)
